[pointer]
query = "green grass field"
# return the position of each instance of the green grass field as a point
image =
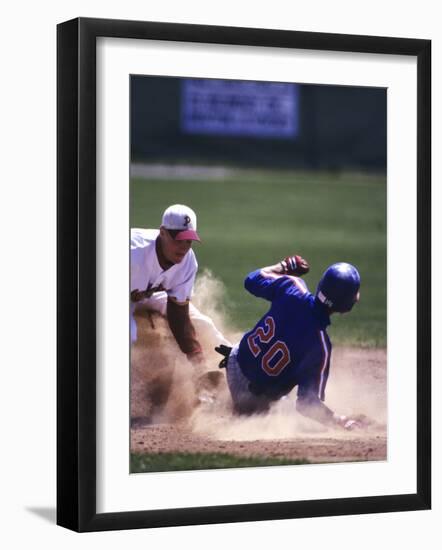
(252, 219)
(166, 462)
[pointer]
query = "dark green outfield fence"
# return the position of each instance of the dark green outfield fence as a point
(337, 128)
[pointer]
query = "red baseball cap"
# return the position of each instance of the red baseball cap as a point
(182, 220)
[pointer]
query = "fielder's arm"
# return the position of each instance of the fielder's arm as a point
(183, 330)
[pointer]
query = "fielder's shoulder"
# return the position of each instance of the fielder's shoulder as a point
(191, 262)
(142, 238)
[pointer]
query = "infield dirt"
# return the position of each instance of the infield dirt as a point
(173, 410)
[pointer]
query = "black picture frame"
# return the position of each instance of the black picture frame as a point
(76, 274)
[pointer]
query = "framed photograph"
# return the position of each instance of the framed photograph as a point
(243, 274)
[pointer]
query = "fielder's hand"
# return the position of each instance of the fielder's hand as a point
(295, 265)
(196, 357)
(137, 295)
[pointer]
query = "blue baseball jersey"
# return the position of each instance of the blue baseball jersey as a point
(289, 345)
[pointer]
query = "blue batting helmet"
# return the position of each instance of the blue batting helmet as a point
(339, 286)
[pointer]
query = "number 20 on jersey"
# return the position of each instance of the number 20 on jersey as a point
(277, 357)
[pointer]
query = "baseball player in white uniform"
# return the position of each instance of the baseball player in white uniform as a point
(163, 270)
